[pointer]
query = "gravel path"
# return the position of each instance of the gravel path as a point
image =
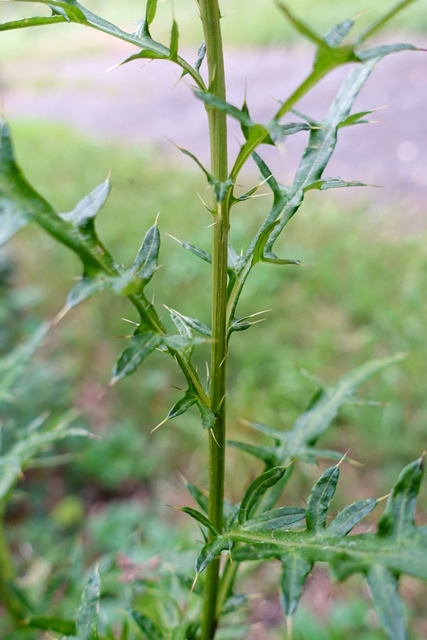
(142, 102)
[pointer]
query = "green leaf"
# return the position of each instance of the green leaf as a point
(384, 50)
(398, 518)
(174, 42)
(389, 608)
(33, 22)
(256, 490)
(320, 499)
(201, 518)
(182, 406)
(333, 183)
(349, 517)
(140, 348)
(275, 519)
(210, 551)
(200, 253)
(295, 571)
(198, 495)
(336, 35)
(52, 623)
(356, 118)
(200, 57)
(87, 615)
(86, 210)
(207, 416)
(267, 454)
(150, 11)
(147, 259)
(191, 323)
(379, 24)
(147, 626)
(301, 27)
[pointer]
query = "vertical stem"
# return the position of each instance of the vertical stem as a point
(210, 15)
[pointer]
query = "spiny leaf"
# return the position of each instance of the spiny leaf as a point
(174, 42)
(193, 323)
(182, 406)
(200, 56)
(389, 608)
(150, 11)
(275, 519)
(87, 616)
(301, 27)
(398, 518)
(87, 209)
(200, 253)
(220, 188)
(295, 570)
(146, 261)
(141, 346)
(336, 35)
(333, 183)
(320, 499)
(210, 551)
(379, 24)
(207, 416)
(256, 490)
(201, 518)
(349, 517)
(198, 495)
(384, 50)
(267, 454)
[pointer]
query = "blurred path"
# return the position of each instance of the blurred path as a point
(142, 103)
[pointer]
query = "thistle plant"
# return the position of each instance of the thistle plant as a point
(256, 528)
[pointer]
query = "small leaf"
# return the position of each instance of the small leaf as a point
(349, 517)
(210, 551)
(198, 495)
(267, 454)
(150, 11)
(398, 518)
(333, 183)
(174, 42)
(336, 35)
(256, 490)
(275, 519)
(87, 287)
(86, 209)
(200, 56)
(389, 608)
(87, 616)
(147, 626)
(182, 406)
(146, 261)
(207, 416)
(384, 50)
(193, 323)
(200, 253)
(201, 518)
(141, 346)
(320, 499)
(295, 570)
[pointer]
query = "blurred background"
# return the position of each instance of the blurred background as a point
(75, 116)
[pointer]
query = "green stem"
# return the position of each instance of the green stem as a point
(210, 15)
